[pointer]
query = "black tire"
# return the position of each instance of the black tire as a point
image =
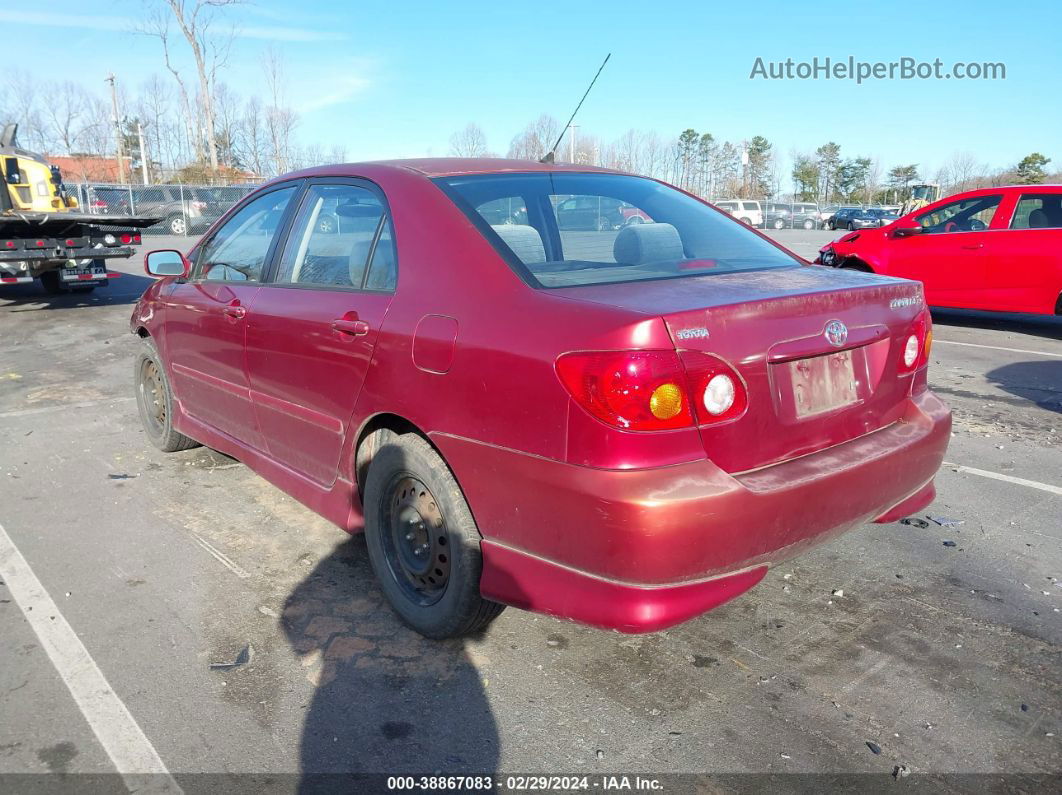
(851, 226)
(778, 223)
(154, 399)
(746, 221)
(412, 502)
(51, 283)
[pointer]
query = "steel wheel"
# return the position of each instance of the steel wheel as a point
(153, 395)
(416, 542)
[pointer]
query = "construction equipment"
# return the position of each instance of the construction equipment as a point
(922, 194)
(43, 233)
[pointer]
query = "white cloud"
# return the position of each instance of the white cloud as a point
(119, 24)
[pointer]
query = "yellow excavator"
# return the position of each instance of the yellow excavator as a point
(922, 194)
(45, 235)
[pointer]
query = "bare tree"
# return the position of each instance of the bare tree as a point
(194, 19)
(252, 140)
(536, 139)
(469, 142)
(280, 120)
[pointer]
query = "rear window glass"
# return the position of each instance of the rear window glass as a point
(570, 229)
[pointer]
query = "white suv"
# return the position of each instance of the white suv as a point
(746, 211)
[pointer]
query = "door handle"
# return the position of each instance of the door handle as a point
(234, 311)
(355, 328)
(973, 246)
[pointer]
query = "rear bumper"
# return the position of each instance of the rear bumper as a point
(663, 545)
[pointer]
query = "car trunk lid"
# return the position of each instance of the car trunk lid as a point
(806, 392)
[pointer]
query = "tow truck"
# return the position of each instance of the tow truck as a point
(43, 233)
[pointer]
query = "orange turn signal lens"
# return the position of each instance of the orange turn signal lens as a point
(666, 401)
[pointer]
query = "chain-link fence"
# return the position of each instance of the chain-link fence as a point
(184, 209)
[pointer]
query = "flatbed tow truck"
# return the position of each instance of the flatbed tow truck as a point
(44, 235)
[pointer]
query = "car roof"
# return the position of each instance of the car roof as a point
(450, 166)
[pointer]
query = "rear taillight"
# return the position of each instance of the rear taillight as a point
(719, 394)
(914, 350)
(653, 390)
(632, 390)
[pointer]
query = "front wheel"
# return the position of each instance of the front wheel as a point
(809, 224)
(851, 226)
(154, 399)
(423, 542)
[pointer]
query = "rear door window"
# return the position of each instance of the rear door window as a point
(334, 237)
(1039, 211)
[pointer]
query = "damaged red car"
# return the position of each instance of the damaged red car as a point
(997, 249)
(621, 425)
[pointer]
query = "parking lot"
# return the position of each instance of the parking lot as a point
(242, 633)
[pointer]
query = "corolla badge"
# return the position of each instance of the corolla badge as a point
(836, 333)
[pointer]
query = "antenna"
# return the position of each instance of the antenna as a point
(549, 156)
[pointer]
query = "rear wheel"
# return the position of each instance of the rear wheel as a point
(778, 223)
(851, 226)
(809, 224)
(747, 221)
(177, 225)
(422, 540)
(155, 402)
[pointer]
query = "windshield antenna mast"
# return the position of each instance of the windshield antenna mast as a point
(551, 154)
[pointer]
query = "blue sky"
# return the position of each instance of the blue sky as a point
(395, 79)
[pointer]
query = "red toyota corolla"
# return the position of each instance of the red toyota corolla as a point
(621, 426)
(995, 248)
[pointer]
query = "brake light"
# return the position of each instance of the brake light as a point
(630, 390)
(917, 344)
(126, 238)
(653, 390)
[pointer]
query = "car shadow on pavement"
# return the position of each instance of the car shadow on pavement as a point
(1038, 382)
(31, 297)
(1047, 326)
(387, 700)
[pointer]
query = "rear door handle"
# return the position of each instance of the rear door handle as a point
(235, 311)
(355, 328)
(972, 246)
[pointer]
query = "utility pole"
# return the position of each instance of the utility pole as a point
(143, 152)
(117, 127)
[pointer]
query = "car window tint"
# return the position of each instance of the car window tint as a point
(238, 250)
(964, 215)
(598, 228)
(1042, 211)
(750, 205)
(332, 236)
(383, 271)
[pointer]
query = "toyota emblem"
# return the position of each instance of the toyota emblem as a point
(836, 333)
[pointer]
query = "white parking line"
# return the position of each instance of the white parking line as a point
(1032, 484)
(995, 348)
(129, 749)
(221, 557)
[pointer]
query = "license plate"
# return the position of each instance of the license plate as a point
(84, 274)
(823, 383)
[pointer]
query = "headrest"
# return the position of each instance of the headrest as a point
(524, 240)
(639, 244)
(1038, 219)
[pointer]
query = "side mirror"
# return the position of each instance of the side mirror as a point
(166, 262)
(907, 228)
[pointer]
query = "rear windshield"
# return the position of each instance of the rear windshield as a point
(570, 229)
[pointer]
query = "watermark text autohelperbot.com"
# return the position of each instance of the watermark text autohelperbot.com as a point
(849, 68)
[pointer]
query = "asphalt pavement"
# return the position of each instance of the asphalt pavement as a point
(243, 634)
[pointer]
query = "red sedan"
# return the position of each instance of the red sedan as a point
(624, 427)
(995, 248)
